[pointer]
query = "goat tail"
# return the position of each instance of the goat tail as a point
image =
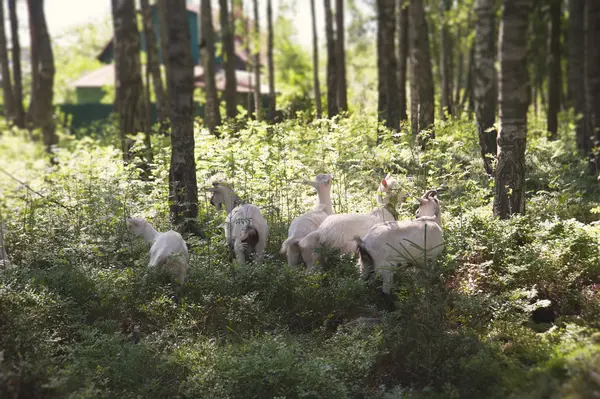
(288, 243)
(366, 262)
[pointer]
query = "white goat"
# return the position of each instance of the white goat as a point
(410, 241)
(246, 229)
(338, 231)
(310, 221)
(167, 248)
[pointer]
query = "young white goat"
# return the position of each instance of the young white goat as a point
(246, 229)
(410, 241)
(310, 221)
(338, 231)
(167, 248)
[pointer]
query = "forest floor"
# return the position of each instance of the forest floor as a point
(510, 309)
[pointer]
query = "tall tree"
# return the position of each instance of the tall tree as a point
(44, 89)
(183, 189)
(421, 82)
(485, 83)
(509, 191)
(153, 67)
(129, 98)
(271, 112)
(16, 62)
(30, 118)
(592, 75)
(316, 83)
(576, 71)
(227, 34)
(257, 94)
(554, 68)
(340, 57)
(446, 61)
(207, 55)
(7, 88)
(402, 56)
(332, 105)
(386, 64)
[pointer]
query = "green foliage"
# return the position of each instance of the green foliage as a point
(510, 309)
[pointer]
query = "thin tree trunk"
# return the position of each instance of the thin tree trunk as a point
(332, 105)
(251, 105)
(554, 69)
(272, 105)
(130, 99)
(316, 61)
(340, 57)
(422, 96)
(459, 81)
(229, 57)
(509, 191)
(387, 67)
(7, 88)
(402, 56)
(484, 79)
(30, 118)
(183, 189)
(207, 55)
(16, 60)
(592, 64)
(576, 72)
(44, 110)
(257, 91)
(446, 62)
(153, 68)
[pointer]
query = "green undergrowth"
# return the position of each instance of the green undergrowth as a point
(510, 309)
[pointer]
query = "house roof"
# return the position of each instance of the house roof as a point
(239, 43)
(105, 76)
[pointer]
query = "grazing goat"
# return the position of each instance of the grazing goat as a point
(310, 221)
(246, 229)
(338, 231)
(167, 248)
(409, 241)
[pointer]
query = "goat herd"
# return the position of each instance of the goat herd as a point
(381, 241)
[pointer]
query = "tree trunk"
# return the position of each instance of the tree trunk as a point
(183, 189)
(7, 88)
(153, 67)
(332, 105)
(459, 79)
(257, 91)
(386, 62)
(422, 100)
(592, 65)
(340, 57)
(129, 98)
(554, 69)
(207, 55)
(402, 56)
(30, 118)
(272, 105)
(446, 62)
(16, 59)
(44, 90)
(576, 72)
(316, 61)
(484, 79)
(509, 191)
(229, 57)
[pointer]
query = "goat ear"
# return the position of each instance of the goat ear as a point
(421, 200)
